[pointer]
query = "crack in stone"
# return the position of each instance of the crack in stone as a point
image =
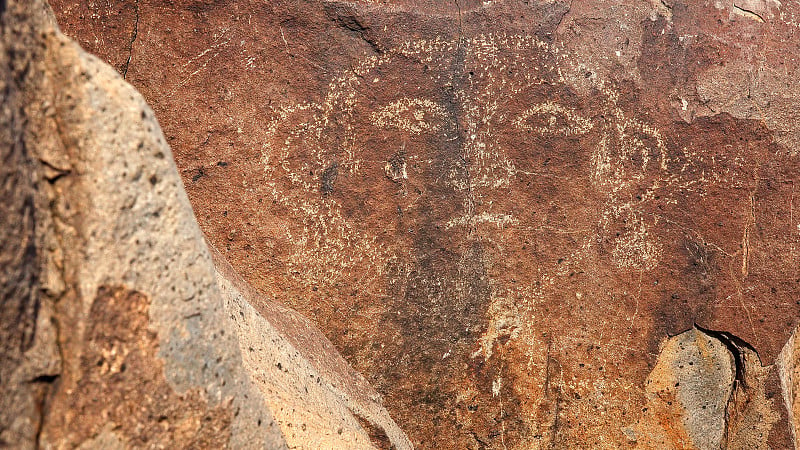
(134, 35)
(563, 15)
(349, 20)
(748, 13)
(735, 346)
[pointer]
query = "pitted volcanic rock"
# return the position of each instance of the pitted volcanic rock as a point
(119, 329)
(497, 211)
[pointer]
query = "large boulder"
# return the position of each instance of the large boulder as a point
(117, 330)
(525, 222)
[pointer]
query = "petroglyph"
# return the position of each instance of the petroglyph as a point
(402, 155)
(541, 206)
(414, 115)
(788, 15)
(500, 220)
(343, 129)
(559, 120)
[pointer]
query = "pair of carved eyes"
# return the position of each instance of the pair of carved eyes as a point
(422, 115)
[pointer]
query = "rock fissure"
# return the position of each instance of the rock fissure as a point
(134, 35)
(749, 13)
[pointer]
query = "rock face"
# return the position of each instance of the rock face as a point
(529, 223)
(117, 331)
(319, 401)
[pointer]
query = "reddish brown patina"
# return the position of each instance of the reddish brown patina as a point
(497, 211)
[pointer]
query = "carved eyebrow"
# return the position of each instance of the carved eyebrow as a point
(413, 115)
(575, 123)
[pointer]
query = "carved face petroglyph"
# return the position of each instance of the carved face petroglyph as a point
(471, 189)
(364, 145)
(486, 218)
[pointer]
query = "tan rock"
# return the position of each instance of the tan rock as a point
(115, 331)
(500, 212)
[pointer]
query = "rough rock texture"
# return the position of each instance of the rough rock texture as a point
(19, 269)
(706, 392)
(689, 388)
(317, 399)
(115, 332)
(500, 211)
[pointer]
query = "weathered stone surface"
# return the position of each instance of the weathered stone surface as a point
(789, 366)
(121, 390)
(500, 211)
(706, 392)
(19, 269)
(115, 332)
(689, 388)
(295, 365)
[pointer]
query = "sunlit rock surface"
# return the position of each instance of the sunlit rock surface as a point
(502, 213)
(117, 331)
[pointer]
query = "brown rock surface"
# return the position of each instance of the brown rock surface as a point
(316, 398)
(500, 211)
(116, 331)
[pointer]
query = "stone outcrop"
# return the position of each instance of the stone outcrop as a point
(529, 224)
(117, 331)
(319, 400)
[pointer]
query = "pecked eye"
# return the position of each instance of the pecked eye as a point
(550, 118)
(413, 115)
